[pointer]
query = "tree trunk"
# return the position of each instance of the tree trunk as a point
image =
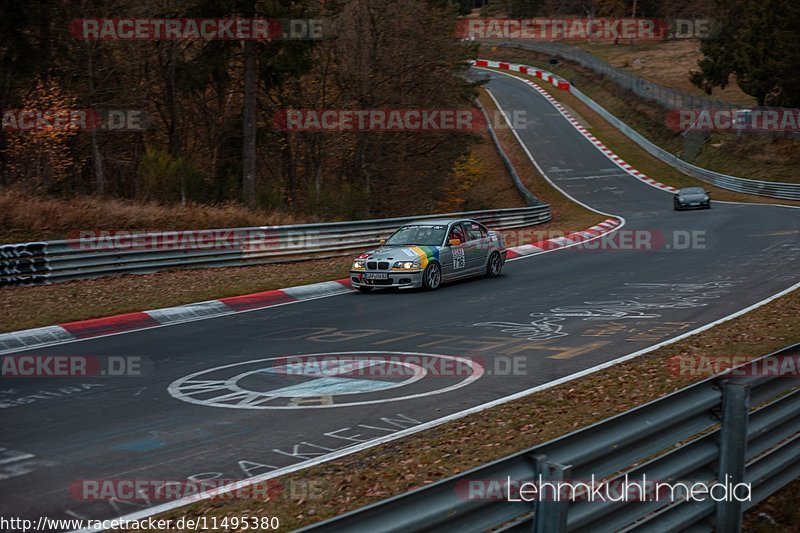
(249, 128)
(99, 174)
(97, 157)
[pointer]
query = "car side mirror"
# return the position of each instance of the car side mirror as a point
(382, 242)
(454, 242)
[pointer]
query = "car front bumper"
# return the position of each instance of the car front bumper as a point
(404, 279)
(693, 205)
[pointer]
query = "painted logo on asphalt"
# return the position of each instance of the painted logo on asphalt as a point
(322, 380)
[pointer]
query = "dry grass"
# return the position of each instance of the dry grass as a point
(494, 190)
(777, 514)
(666, 62)
(25, 216)
(454, 447)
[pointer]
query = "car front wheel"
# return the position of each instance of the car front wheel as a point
(432, 277)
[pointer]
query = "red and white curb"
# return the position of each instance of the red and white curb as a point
(99, 327)
(607, 226)
(566, 86)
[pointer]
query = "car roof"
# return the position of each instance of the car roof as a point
(438, 222)
(692, 187)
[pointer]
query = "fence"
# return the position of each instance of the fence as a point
(698, 434)
(772, 189)
(102, 255)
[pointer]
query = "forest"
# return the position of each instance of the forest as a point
(187, 121)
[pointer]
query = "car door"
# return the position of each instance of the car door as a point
(454, 257)
(477, 247)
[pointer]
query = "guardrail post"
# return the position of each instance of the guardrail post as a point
(733, 451)
(550, 513)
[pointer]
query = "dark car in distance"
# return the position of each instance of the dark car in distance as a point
(692, 198)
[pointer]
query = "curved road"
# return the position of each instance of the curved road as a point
(551, 315)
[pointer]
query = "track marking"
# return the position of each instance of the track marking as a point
(439, 421)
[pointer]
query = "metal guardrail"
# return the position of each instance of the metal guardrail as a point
(528, 196)
(649, 90)
(745, 427)
(772, 189)
(98, 255)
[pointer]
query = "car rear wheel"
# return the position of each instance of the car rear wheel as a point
(494, 266)
(432, 277)
(361, 288)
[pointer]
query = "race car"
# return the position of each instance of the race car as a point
(426, 253)
(691, 198)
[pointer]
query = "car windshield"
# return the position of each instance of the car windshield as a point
(693, 190)
(417, 235)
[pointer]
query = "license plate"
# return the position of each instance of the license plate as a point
(369, 275)
(695, 203)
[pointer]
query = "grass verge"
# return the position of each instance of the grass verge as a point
(777, 514)
(454, 447)
(27, 216)
(665, 62)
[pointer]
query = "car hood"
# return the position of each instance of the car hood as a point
(693, 197)
(403, 253)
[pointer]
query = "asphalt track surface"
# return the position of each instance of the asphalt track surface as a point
(555, 313)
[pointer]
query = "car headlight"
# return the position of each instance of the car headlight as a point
(358, 264)
(406, 265)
